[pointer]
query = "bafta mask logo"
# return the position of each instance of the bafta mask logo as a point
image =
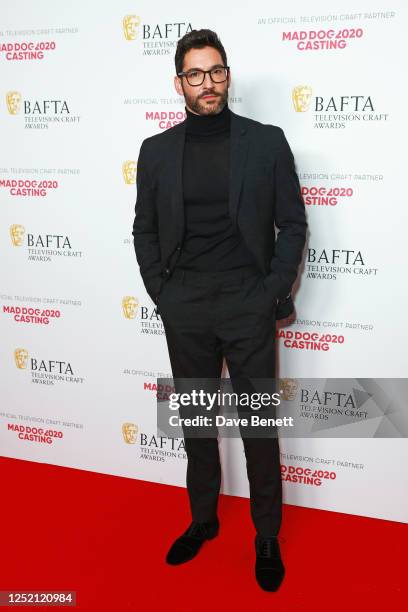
(129, 431)
(129, 172)
(301, 96)
(17, 234)
(288, 388)
(13, 99)
(129, 307)
(21, 358)
(130, 25)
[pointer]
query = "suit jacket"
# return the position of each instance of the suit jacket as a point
(264, 192)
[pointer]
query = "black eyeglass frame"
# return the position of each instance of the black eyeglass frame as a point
(181, 74)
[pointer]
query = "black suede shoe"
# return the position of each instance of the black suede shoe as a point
(269, 569)
(187, 546)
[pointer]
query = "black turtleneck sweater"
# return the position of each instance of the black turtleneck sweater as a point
(210, 241)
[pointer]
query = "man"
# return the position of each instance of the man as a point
(210, 192)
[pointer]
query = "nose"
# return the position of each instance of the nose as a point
(209, 81)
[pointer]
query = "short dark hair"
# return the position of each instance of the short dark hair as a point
(197, 39)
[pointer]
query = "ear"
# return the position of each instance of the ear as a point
(177, 85)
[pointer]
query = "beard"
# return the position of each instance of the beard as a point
(203, 107)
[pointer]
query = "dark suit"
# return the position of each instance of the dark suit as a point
(264, 192)
(231, 314)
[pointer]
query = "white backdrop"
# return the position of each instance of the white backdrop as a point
(83, 83)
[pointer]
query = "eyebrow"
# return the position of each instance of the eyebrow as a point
(212, 67)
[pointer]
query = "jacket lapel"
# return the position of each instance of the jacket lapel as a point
(239, 142)
(176, 169)
(238, 155)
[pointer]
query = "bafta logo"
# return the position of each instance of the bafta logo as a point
(17, 234)
(301, 96)
(129, 307)
(288, 388)
(129, 431)
(13, 99)
(21, 357)
(130, 25)
(129, 172)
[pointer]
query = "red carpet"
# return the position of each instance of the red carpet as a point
(106, 538)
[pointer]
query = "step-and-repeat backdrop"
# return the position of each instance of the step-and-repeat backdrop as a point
(82, 84)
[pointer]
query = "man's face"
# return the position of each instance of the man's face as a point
(208, 98)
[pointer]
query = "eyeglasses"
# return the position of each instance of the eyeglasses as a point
(219, 74)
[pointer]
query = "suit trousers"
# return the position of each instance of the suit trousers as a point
(208, 316)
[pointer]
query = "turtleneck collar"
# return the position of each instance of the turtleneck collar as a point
(206, 125)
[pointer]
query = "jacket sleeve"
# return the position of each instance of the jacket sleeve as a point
(145, 229)
(290, 219)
